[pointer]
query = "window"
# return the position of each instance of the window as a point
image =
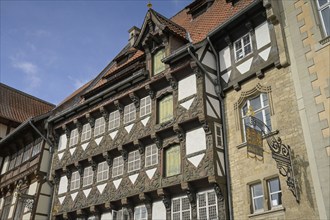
(99, 126)
(145, 106)
(6, 207)
(62, 142)
(181, 208)
(73, 137)
(12, 162)
(165, 108)
(88, 176)
(218, 135)
(257, 197)
(75, 181)
(151, 155)
(122, 214)
(86, 132)
(172, 160)
(102, 171)
(260, 107)
(324, 11)
(158, 65)
(19, 157)
(275, 193)
(243, 47)
(134, 159)
(140, 213)
(117, 166)
(36, 149)
(27, 153)
(129, 113)
(114, 120)
(207, 205)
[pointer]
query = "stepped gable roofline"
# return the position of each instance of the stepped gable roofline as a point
(162, 23)
(18, 106)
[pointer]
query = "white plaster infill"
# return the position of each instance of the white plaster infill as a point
(226, 76)
(128, 128)
(150, 173)
(133, 177)
(61, 199)
(84, 146)
(195, 160)
(245, 66)
(98, 140)
(101, 187)
(187, 104)
(265, 54)
(72, 150)
(74, 195)
(60, 155)
(145, 120)
(113, 134)
(86, 192)
(117, 183)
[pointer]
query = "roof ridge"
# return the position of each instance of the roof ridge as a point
(26, 94)
(169, 20)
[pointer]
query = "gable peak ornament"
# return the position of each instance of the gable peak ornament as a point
(149, 5)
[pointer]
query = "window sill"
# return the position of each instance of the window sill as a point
(325, 40)
(272, 133)
(274, 210)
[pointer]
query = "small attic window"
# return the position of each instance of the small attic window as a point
(199, 7)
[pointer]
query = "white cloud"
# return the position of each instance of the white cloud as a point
(77, 83)
(30, 70)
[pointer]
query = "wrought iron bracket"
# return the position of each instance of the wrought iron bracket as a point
(281, 153)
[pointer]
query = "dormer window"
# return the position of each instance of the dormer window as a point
(243, 47)
(158, 65)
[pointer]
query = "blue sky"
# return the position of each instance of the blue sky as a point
(49, 48)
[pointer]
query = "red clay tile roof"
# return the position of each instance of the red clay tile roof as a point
(217, 14)
(18, 106)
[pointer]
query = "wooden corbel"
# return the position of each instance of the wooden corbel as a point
(150, 91)
(134, 99)
(171, 80)
(157, 140)
(119, 105)
(91, 120)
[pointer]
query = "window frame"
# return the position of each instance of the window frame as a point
(180, 211)
(216, 136)
(114, 120)
(140, 208)
(118, 166)
(99, 126)
(102, 171)
(150, 156)
(75, 181)
(88, 176)
(129, 111)
(243, 45)
(161, 106)
(325, 32)
(36, 149)
(144, 106)
(86, 132)
(74, 137)
(157, 55)
(60, 147)
(271, 206)
(167, 163)
(27, 153)
(207, 206)
(134, 161)
(253, 198)
(263, 109)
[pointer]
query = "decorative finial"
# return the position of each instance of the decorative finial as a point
(250, 111)
(149, 5)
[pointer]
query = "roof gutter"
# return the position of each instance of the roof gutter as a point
(100, 95)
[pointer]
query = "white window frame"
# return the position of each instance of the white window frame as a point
(129, 113)
(62, 146)
(218, 127)
(117, 166)
(36, 148)
(273, 193)
(27, 153)
(99, 127)
(114, 120)
(151, 157)
(86, 132)
(263, 109)
(134, 161)
(88, 176)
(320, 9)
(74, 136)
(208, 205)
(102, 171)
(255, 197)
(138, 210)
(145, 106)
(180, 211)
(243, 46)
(75, 181)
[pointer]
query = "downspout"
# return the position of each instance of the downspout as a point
(220, 94)
(51, 150)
